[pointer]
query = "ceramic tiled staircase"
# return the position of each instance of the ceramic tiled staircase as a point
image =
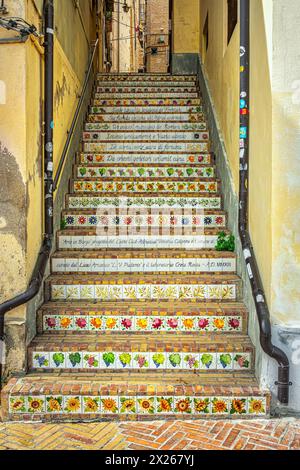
(143, 317)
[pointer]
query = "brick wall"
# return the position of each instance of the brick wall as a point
(157, 28)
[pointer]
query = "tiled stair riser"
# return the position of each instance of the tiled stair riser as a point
(141, 407)
(107, 147)
(144, 172)
(147, 116)
(139, 158)
(149, 90)
(147, 77)
(199, 292)
(142, 224)
(150, 265)
(145, 136)
(146, 109)
(136, 96)
(146, 126)
(187, 206)
(153, 186)
(167, 102)
(94, 242)
(143, 361)
(157, 85)
(149, 323)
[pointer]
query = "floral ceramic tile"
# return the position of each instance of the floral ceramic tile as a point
(174, 360)
(218, 324)
(146, 405)
(125, 360)
(109, 405)
(72, 404)
(111, 323)
(235, 323)
(141, 360)
(96, 323)
(257, 406)
(91, 405)
(127, 405)
(188, 324)
(203, 323)
(165, 405)
(36, 404)
(202, 406)
(238, 406)
(183, 405)
(220, 406)
(65, 322)
(81, 323)
(17, 404)
(54, 404)
(108, 360)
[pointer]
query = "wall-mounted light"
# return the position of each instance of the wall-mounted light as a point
(126, 7)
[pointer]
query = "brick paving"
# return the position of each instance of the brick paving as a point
(283, 434)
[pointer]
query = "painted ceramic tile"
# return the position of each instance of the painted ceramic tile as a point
(57, 360)
(147, 102)
(203, 323)
(72, 404)
(96, 323)
(165, 405)
(208, 361)
(202, 406)
(54, 404)
(108, 360)
(91, 405)
(119, 109)
(153, 83)
(235, 323)
(220, 406)
(90, 360)
(242, 361)
(257, 406)
(109, 405)
(177, 117)
(238, 406)
(224, 361)
(183, 405)
(142, 88)
(127, 405)
(73, 360)
(125, 360)
(17, 404)
(36, 404)
(190, 361)
(138, 97)
(174, 361)
(218, 323)
(158, 360)
(40, 360)
(146, 405)
(141, 360)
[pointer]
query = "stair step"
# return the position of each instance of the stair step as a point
(146, 126)
(65, 318)
(148, 109)
(125, 221)
(82, 239)
(203, 188)
(120, 352)
(159, 77)
(143, 261)
(145, 103)
(103, 115)
(147, 158)
(147, 136)
(149, 89)
(104, 396)
(148, 85)
(133, 286)
(148, 96)
(143, 171)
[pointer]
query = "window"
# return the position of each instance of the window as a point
(232, 17)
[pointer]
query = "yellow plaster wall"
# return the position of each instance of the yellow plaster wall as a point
(186, 22)
(221, 66)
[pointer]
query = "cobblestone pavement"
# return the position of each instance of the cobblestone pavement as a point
(281, 434)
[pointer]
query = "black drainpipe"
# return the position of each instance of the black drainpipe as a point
(44, 254)
(252, 266)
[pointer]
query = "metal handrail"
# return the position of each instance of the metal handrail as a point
(75, 118)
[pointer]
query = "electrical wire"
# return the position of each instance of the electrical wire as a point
(120, 39)
(19, 25)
